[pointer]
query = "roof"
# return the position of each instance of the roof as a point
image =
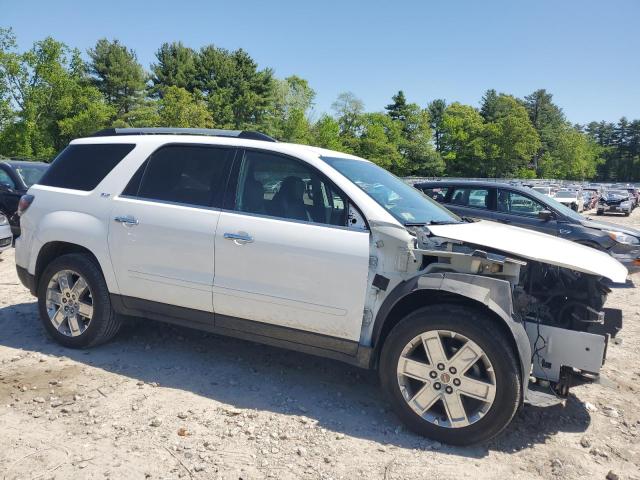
(210, 132)
(231, 138)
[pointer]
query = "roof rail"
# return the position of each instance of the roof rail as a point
(211, 132)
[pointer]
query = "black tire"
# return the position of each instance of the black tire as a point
(104, 323)
(600, 212)
(626, 214)
(482, 330)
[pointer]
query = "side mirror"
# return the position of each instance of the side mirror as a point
(6, 187)
(546, 215)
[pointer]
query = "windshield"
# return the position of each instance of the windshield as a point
(407, 204)
(566, 195)
(31, 174)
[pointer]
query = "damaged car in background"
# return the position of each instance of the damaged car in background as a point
(320, 252)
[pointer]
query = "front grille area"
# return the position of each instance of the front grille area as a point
(5, 241)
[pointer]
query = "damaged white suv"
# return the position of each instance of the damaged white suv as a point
(316, 251)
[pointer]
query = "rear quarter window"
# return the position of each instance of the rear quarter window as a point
(83, 167)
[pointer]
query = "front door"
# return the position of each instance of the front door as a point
(521, 210)
(162, 230)
(284, 255)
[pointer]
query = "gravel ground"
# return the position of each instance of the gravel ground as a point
(165, 402)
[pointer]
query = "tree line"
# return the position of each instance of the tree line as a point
(50, 94)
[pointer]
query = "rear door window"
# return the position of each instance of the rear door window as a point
(190, 175)
(84, 166)
(471, 197)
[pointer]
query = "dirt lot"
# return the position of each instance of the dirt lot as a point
(165, 402)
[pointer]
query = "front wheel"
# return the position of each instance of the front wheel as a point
(74, 302)
(451, 374)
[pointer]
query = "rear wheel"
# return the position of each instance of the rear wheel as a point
(451, 374)
(74, 303)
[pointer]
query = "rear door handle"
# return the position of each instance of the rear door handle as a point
(126, 220)
(239, 238)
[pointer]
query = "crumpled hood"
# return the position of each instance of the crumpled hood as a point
(610, 227)
(534, 246)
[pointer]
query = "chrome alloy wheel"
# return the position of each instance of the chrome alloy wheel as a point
(446, 378)
(69, 303)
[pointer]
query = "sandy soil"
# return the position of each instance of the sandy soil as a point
(165, 402)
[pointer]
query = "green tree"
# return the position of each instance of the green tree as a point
(293, 98)
(176, 66)
(326, 134)
(378, 140)
(117, 74)
(54, 99)
(462, 140)
(238, 94)
(575, 156)
(179, 108)
(548, 120)
(436, 111)
(489, 105)
(415, 143)
(349, 110)
(510, 140)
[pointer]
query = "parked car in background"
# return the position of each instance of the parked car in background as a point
(617, 201)
(634, 194)
(571, 198)
(6, 237)
(548, 191)
(16, 176)
(527, 208)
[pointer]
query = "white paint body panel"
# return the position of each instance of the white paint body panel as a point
(168, 257)
(294, 274)
(535, 246)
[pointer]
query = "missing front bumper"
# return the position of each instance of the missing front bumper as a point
(554, 348)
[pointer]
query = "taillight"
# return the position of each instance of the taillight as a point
(25, 202)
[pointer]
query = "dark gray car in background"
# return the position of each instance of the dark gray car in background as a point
(524, 207)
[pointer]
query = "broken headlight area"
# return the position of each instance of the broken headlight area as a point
(566, 322)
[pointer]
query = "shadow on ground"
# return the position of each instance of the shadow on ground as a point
(242, 374)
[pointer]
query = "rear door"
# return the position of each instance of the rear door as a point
(161, 236)
(521, 210)
(472, 201)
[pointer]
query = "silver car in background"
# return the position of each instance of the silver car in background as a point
(6, 237)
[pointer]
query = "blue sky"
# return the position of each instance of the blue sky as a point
(587, 53)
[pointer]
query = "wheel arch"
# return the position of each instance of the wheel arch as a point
(62, 232)
(52, 250)
(489, 295)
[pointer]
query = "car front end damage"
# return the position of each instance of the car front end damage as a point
(555, 313)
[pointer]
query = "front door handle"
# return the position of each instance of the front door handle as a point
(126, 220)
(239, 238)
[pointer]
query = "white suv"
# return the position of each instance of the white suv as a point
(317, 251)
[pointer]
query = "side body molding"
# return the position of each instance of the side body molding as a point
(493, 293)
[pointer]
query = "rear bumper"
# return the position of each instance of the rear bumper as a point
(27, 279)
